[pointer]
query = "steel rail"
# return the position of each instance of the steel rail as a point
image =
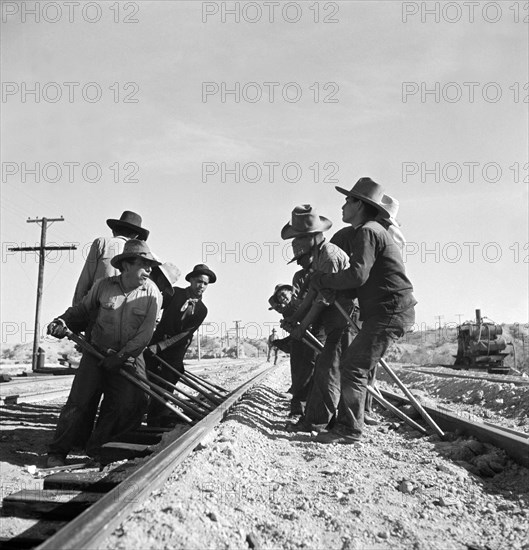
(24, 380)
(35, 397)
(519, 381)
(515, 444)
(93, 525)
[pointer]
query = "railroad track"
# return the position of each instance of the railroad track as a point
(498, 378)
(514, 443)
(94, 503)
(35, 390)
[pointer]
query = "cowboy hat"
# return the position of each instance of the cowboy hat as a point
(304, 221)
(202, 269)
(170, 273)
(368, 191)
(392, 206)
(134, 248)
(129, 220)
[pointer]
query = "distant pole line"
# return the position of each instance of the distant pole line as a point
(237, 338)
(439, 317)
(41, 250)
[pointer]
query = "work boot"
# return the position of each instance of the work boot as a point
(55, 460)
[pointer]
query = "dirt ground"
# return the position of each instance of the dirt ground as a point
(254, 485)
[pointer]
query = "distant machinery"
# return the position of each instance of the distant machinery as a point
(480, 345)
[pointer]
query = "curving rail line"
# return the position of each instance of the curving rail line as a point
(97, 504)
(514, 443)
(98, 513)
(498, 378)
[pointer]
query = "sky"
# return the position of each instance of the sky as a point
(213, 120)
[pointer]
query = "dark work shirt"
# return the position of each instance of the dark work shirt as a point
(344, 239)
(376, 270)
(173, 321)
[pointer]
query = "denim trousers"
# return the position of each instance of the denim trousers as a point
(122, 408)
(359, 362)
(302, 359)
(324, 395)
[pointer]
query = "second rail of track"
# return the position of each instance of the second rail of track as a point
(515, 444)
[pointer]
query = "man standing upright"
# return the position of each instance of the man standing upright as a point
(123, 310)
(183, 313)
(385, 296)
(103, 249)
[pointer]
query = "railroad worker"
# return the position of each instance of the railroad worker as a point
(313, 252)
(98, 262)
(279, 301)
(98, 265)
(344, 239)
(271, 339)
(125, 308)
(182, 315)
(302, 356)
(285, 300)
(385, 296)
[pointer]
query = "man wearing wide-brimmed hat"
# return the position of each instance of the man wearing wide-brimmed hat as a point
(103, 249)
(313, 252)
(279, 301)
(124, 309)
(183, 313)
(344, 238)
(385, 296)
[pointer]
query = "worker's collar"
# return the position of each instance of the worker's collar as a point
(189, 294)
(119, 280)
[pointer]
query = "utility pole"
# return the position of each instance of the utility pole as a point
(237, 338)
(41, 250)
(439, 317)
(459, 315)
